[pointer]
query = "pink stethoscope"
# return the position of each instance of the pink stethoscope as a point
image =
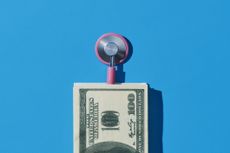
(111, 49)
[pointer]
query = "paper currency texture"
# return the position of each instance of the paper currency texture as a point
(110, 118)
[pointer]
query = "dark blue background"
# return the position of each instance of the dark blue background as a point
(180, 48)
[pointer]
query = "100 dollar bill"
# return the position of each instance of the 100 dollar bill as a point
(110, 118)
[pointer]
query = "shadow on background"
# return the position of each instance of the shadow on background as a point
(120, 74)
(155, 121)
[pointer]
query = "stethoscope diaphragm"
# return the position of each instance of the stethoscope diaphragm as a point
(112, 45)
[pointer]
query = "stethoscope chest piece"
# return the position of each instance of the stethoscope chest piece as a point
(111, 49)
(112, 45)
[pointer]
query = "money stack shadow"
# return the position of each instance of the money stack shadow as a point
(155, 106)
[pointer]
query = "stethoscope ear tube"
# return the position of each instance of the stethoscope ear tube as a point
(111, 75)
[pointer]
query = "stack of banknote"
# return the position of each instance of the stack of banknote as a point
(110, 118)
